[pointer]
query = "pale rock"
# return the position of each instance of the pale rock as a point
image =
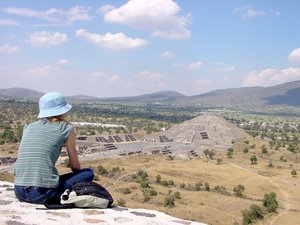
(13, 212)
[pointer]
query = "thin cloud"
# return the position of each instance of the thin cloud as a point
(47, 39)
(51, 14)
(248, 12)
(105, 77)
(168, 54)
(43, 70)
(6, 48)
(147, 75)
(62, 62)
(269, 77)
(294, 56)
(76, 13)
(160, 17)
(191, 66)
(275, 12)
(8, 22)
(111, 41)
(105, 8)
(222, 67)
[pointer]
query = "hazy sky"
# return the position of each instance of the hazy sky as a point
(125, 48)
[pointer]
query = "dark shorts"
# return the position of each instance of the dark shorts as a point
(39, 195)
(34, 194)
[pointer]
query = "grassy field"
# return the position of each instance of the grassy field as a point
(219, 205)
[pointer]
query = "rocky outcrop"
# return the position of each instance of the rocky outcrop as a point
(13, 212)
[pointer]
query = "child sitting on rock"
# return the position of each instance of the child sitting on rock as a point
(36, 177)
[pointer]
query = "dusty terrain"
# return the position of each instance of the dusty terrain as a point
(212, 207)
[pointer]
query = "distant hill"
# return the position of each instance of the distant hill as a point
(286, 94)
(283, 94)
(153, 97)
(20, 93)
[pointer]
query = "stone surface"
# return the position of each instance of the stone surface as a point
(13, 212)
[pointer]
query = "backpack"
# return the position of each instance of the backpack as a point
(84, 194)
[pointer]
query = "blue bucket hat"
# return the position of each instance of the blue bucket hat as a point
(53, 104)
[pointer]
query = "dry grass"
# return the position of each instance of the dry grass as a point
(209, 207)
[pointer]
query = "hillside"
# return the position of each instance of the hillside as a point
(20, 93)
(247, 97)
(152, 97)
(283, 94)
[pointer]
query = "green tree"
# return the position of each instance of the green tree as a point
(252, 214)
(253, 159)
(270, 202)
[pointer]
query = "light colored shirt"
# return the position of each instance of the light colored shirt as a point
(39, 150)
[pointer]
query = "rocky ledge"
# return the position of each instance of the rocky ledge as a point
(13, 212)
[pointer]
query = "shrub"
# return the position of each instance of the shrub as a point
(198, 186)
(256, 212)
(247, 216)
(171, 182)
(206, 186)
(182, 185)
(102, 170)
(146, 196)
(294, 172)
(238, 190)
(170, 157)
(252, 214)
(270, 202)
(253, 159)
(282, 159)
(144, 184)
(116, 169)
(177, 195)
(169, 201)
(264, 150)
(142, 174)
(124, 191)
(164, 183)
(158, 178)
(152, 192)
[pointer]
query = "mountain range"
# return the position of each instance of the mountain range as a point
(286, 94)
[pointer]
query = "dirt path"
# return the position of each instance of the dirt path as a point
(286, 206)
(285, 203)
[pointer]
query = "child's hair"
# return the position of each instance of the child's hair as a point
(56, 118)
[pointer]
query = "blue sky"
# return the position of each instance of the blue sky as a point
(126, 48)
